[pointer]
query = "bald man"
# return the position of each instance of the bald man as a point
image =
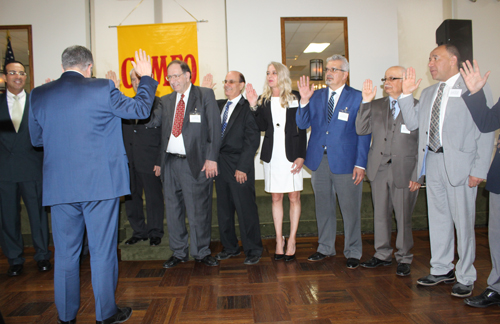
(391, 169)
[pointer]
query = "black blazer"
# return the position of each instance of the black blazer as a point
(295, 138)
(240, 142)
(19, 160)
(487, 120)
(142, 143)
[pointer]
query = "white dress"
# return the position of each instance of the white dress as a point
(277, 173)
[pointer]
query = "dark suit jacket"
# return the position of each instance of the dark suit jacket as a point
(201, 140)
(373, 118)
(345, 148)
(142, 143)
(240, 142)
(295, 138)
(19, 160)
(487, 120)
(78, 121)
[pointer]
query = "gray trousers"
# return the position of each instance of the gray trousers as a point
(450, 208)
(327, 186)
(494, 238)
(191, 197)
(386, 199)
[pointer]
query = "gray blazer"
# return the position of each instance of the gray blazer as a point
(201, 140)
(373, 118)
(466, 150)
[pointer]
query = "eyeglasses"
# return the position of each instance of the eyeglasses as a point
(230, 82)
(333, 70)
(21, 73)
(174, 77)
(391, 79)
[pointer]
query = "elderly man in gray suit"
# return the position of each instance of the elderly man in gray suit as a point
(391, 169)
(455, 158)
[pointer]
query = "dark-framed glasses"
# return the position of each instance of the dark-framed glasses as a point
(391, 79)
(333, 70)
(231, 82)
(20, 73)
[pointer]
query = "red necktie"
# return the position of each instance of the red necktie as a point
(179, 117)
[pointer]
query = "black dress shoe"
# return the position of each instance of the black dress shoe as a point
(487, 298)
(73, 321)
(352, 263)
(403, 269)
(15, 270)
(278, 257)
(461, 290)
(289, 257)
(375, 262)
(432, 280)
(224, 254)
(172, 262)
(317, 256)
(209, 261)
(133, 240)
(155, 241)
(122, 315)
(44, 265)
(252, 259)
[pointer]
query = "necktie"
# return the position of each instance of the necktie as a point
(331, 107)
(393, 109)
(224, 118)
(179, 117)
(16, 113)
(434, 139)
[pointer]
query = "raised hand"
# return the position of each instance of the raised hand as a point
(306, 91)
(251, 95)
(142, 64)
(369, 91)
(208, 81)
(48, 80)
(409, 84)
(472, 76)
(110, 75)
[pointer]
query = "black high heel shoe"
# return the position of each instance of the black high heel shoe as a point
(278, 257)
(290, 257)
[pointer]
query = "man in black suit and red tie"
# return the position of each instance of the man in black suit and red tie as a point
(487, 120)
(20, 176)
(190, 142)
(235, 183)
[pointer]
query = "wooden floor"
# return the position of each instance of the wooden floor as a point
(269, 292)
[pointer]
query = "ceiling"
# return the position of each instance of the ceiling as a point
(299, 34)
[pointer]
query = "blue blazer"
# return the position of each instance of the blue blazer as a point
(487, 120)
(78, 122)
(345, 148)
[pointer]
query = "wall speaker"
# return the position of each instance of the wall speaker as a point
(457, 32)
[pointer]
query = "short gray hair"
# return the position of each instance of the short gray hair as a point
(76, 56)
(338, 57)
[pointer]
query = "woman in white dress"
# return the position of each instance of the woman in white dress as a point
(283, 150)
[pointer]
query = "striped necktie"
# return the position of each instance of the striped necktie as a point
(331, 107)
(393, 109)
(224, 118)
(434, 138)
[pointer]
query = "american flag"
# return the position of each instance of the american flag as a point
(9, 53)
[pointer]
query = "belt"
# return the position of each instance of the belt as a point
(439, 150)
(180, 156)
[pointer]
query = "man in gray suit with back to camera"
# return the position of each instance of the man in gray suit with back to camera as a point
(455, 157)
(191, 136)
(391, 169)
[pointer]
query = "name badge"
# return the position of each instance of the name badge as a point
(455, 93)
(293, 104)
(404, 130)
(344, 115)
(195, 117)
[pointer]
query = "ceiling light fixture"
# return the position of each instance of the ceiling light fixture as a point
(316, 47)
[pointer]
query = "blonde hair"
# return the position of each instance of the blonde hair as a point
(284, 84)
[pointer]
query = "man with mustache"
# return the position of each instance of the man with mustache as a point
(392, 170)
(337, 156)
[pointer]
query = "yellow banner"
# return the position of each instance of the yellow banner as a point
(164, 43)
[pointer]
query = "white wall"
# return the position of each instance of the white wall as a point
(56, 24)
